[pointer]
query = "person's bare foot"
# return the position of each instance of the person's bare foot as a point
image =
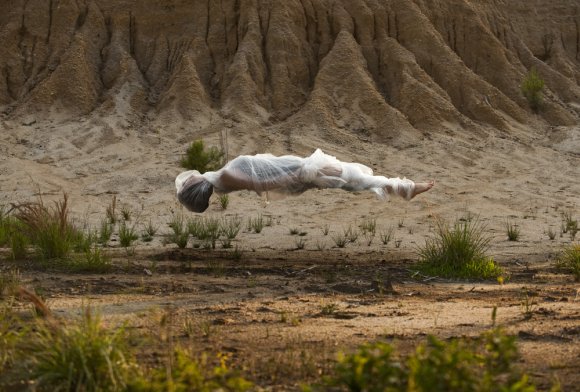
(421, 187)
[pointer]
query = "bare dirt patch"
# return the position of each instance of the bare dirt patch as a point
(282, 316)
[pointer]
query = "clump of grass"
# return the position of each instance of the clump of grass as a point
(50, 229)
(105, 232)
(351, 234)
(230, 227)
(369, 226)
(111, 211)
(149, 232)
(126, 213)
(224, 201)
(197, 157)
(512, 231)
(300, 243)
(340, 240)
(256, 224)
(569, 261)
(369, 237)
(485, 363)
(458, 252)
(180, 233)
(93, 260)
(325, 229)
(82, 356)
(12, 235)
(127, 235)
(328, 309)
(386, 236)
(527, 304)
(294, 231)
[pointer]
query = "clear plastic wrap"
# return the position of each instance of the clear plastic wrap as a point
(286, 174)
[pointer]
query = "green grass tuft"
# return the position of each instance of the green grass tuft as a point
(458, 252)
(569, 261)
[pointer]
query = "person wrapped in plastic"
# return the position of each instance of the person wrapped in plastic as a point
(288, 174)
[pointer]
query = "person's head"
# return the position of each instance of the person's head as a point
(193, 191)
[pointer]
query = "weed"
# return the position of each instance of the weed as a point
(231, 227)
(351, 234)
(369, 225)
(527, 305)
(369, 237)
(111, 213)
(411, 230)
(401, 222)
(179, 235)
(50, 230)
(127, 235)
(458, 251)
(105, 232)
(300, 243)
(149, 232)
(325, 229)
(551, 234)
(224, 201)
(398, 243)
(532, 87)
(340, 240)
(386, 236)
(320, 245)
(197, 157)
(126, 213)
(569, 260)
(256, 224)
(81, 356)
(294, 231)
(512, 231)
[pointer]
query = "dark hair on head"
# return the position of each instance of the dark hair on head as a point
(195, 194)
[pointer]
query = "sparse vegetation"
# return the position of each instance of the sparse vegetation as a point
(81, 356)
(49, 229)
(149, 232)
(224, 201)
(532, 87)
(482, 364)
(300, 243)
(569, 261)
(127, 235)
(340, 240)
(386, 236)
(197, 157)
(256, 224)
(325, 229)
(551, 234)
(105, 232)
(458, 252)
(512, 231)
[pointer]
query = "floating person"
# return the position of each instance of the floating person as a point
(289, 174)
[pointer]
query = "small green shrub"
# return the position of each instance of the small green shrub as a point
(458, 252)
(569, 261)
(149, 232)
(197, 157)
(105, 232)
(9, 281)
(369, 225)
(532, 87)
(484, 364)
(81, 356)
